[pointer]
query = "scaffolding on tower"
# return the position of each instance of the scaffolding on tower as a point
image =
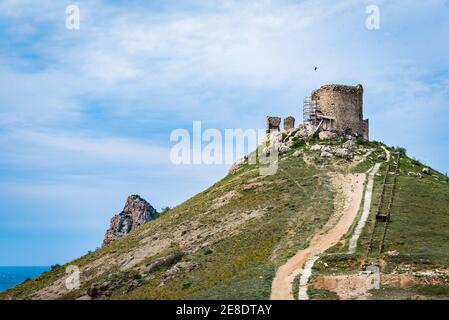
(312, 114)
(311, 111)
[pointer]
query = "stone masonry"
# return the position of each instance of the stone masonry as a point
(345, 105)
(273, 124)
(289, 123)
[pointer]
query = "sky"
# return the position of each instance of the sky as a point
(86, 115)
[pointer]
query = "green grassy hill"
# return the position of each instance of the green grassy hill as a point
(416, 242)
(227, 242)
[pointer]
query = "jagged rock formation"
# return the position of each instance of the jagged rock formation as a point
(136, 212)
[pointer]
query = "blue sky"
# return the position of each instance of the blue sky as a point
(86, 115)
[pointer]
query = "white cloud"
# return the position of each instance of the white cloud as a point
(200, 60)
(195, 59)
(72, 102)
(108, 150)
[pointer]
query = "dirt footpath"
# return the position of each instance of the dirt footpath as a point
(349, 193)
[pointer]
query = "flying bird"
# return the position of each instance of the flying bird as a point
(316, 68)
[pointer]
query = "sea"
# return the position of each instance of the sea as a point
(12, 276)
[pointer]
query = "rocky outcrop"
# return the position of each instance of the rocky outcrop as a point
(343, 153)
(136, 212)
(347, 150)
(283, 141)
(327, 135)
(414, 174)
(238, 164)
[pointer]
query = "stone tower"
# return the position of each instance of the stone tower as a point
(345, 105)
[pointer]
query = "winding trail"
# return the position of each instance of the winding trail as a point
(366, 208)
(366, 203)
(305, 276)
(347, 202)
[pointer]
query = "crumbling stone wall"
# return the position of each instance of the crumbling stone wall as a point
(345, 104)
(273, 124)
(289, 123)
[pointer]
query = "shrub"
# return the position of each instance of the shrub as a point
(401, 150)
(166, 262)
(165, 209)
(299, 143)
(433, 290)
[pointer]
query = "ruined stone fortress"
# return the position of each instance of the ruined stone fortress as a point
(337, 108)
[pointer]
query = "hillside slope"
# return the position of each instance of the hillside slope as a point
(228, 241)
(414, 263)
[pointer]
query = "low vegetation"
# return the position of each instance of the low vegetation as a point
(228, 241)
(416, 241)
